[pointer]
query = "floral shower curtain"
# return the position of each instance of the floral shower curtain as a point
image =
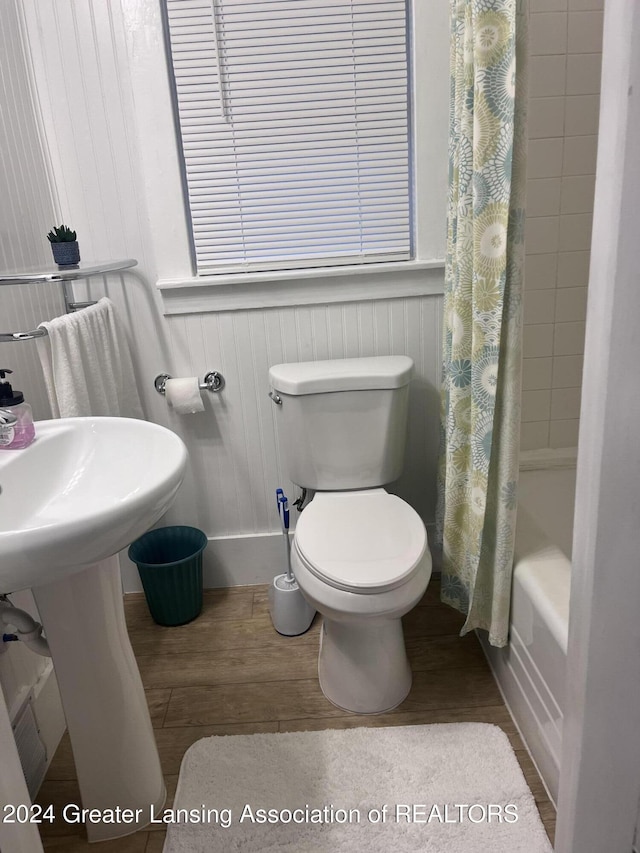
(480, 422)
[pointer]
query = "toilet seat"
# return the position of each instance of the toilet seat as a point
(363, 541)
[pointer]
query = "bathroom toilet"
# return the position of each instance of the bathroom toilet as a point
(360, 554)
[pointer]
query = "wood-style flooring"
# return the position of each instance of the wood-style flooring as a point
(229, 672)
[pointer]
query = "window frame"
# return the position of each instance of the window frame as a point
(183, 291)
(400, 247)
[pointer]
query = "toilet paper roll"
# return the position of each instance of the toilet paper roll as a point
(184, 395)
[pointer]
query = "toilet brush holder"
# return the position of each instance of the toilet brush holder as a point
(291, 613)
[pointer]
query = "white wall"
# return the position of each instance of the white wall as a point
(600, 781)
(85, 60)
(564, 86)
(105, 98)
(27, 212)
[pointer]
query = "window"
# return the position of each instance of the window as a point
(294, 124)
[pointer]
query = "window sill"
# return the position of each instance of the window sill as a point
(244, 291)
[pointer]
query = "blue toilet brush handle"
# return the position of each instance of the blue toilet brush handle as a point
(283, 508)
(283, 512)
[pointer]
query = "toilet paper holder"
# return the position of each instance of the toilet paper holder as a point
(213, 381)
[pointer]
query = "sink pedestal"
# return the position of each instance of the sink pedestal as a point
(104, 702)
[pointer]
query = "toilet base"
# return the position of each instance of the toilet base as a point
(363, 666)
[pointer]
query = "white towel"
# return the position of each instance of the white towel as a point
(87, 364)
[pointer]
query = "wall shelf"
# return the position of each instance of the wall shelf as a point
(63, 276)
(71, 273)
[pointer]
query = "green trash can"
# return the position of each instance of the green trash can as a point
(169, 562)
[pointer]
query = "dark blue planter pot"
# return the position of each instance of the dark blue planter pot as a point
(66, 254)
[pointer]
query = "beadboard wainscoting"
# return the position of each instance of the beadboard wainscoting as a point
(235, 463)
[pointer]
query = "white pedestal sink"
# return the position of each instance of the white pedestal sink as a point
(84, 490)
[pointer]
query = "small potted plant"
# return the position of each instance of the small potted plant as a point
(64, 246)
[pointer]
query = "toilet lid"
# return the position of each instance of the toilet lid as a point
(365, 541)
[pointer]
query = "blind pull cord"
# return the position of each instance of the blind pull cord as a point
(223, 93)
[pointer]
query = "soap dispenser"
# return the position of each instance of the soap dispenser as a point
(14, 436)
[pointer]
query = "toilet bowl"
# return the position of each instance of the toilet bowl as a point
(359, 554)
(361, 559)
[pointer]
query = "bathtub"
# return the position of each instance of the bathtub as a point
(530, 671)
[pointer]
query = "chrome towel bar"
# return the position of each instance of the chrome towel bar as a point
(63, 276)
(8, 337)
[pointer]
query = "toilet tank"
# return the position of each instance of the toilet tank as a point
(342, 423)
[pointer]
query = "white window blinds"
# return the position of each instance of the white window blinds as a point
(295, 130)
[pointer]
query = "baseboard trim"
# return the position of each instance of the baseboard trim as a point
(243, 560)
(227, 561)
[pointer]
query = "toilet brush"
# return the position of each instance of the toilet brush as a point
(290, 613)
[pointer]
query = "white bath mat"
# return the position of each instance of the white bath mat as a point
(455, 787)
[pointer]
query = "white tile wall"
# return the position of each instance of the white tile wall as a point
(581, 115)
(546, 117)
(563, 433)
(548, 33)
(539, 307)
(565, 56)
(544, 158)
(579, 5)
(567, 370)
(584, 32)
(543, 196)
(537, 374)
(541, 271)
(543, 234)
(548, 5)
(568, 338)
(571, 304)
(565, 403)
(536, 405)
(575, 232)
(538, 341)
(534, 434)
(579, 156)
(573, 269)
(583, 73)
(548, 76)
(577, 194)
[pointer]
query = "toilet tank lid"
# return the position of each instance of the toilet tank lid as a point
(343, 374)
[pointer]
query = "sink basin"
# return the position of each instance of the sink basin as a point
(82, 491)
